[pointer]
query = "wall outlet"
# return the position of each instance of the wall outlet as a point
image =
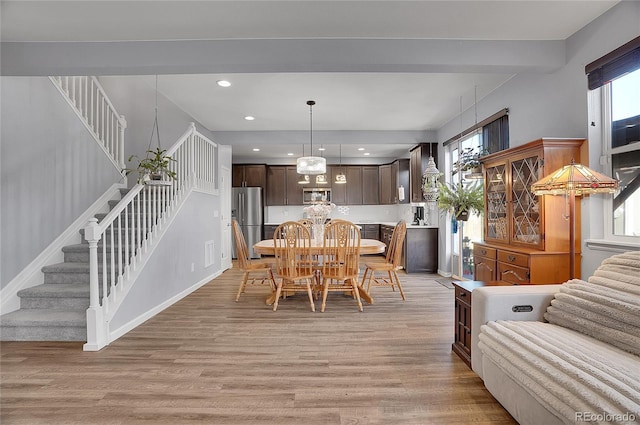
(215, 213)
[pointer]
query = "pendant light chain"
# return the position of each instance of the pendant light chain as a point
(155, 129)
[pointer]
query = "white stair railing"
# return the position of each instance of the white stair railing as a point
(125, 237)
(88, 99)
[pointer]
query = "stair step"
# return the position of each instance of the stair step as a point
(44, 325)
(79, 253)
(59, 296)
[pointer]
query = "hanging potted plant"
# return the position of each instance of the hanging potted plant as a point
(461, 200)
(469, 161)
(154, 169)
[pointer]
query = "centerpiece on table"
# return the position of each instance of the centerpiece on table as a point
(318, 213)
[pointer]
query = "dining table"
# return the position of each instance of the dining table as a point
(367, 247)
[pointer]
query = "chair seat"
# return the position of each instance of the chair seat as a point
(381, 266)
(257, 266)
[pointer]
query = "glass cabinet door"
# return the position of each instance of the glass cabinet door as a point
(496, 203)
(525, 218)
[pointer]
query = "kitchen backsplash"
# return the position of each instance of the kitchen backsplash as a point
(355, 213)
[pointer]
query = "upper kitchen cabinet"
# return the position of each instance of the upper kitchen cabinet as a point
(370, 189)
(393, 176)
(249, 175)
(354, 185)
(338, 190)
(418, 163)
(282, 186)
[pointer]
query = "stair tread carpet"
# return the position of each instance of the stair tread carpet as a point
(45, 318)
(56, 290)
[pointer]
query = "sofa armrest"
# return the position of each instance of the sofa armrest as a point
(506, 303)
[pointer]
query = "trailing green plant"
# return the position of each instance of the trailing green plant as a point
(459, 198)
(155, 164)
(468, 159)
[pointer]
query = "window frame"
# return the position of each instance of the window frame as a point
(607, 152)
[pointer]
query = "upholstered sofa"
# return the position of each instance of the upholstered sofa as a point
(563, 354)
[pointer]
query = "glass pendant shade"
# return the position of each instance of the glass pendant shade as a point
(304, 179)
(321, 179)
(312, 165)
(340, 177)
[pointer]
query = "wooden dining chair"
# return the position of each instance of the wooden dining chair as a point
(294, 262)
(340, 260)
(254, 271)
(387, 270)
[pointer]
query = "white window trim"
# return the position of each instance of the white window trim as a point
(611, 242)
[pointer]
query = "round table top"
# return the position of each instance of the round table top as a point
(367, 246)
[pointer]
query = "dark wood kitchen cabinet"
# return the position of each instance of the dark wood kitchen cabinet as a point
(282, 186)
(370, 189)
(354, 185)
(391, 177)
(418, 163)
(249, 175)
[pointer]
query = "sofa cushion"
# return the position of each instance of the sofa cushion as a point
(607, 307)
(564, 370)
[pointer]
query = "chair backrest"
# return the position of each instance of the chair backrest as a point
(306, 223)
(242, 252)
(341, 250)
(394, 253)
(292, 249)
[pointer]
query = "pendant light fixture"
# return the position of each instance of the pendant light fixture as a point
(321, 179)
(430, 181)
(304, 179)
(340, 177)
(311, 164)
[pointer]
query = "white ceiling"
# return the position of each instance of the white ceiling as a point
(367, 101)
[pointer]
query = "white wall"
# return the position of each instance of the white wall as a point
(555, 105)
(134, 97)
(52, 170)
(169, 270)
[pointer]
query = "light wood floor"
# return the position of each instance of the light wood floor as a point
(210, 360)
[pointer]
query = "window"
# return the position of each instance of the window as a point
(623, 101)
(615, 82)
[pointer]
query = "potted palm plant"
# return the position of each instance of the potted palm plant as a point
(154, 169)
(461, 199)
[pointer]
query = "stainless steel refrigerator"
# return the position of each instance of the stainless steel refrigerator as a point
(246, 208)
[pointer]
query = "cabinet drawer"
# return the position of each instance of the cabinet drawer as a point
(485, 269)
(513, 274)
(514, 258)
(463, 295)
(483, 251)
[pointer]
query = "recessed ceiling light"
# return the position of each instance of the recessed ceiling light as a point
(367, 154)
(256, 149)
(290, 154)
(360, 149)
(320, 149)
(223, 83)
(249, 118)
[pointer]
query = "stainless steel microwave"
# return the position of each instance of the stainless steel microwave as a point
(315, 194)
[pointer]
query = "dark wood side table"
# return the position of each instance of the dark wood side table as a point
(462, 320)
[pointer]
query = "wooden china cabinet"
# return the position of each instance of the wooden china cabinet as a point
(526, 237)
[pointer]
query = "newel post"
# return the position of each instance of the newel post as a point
(96, 329)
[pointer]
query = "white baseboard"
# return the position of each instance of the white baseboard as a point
(113, 335)
(443, 273)
(32, 274)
